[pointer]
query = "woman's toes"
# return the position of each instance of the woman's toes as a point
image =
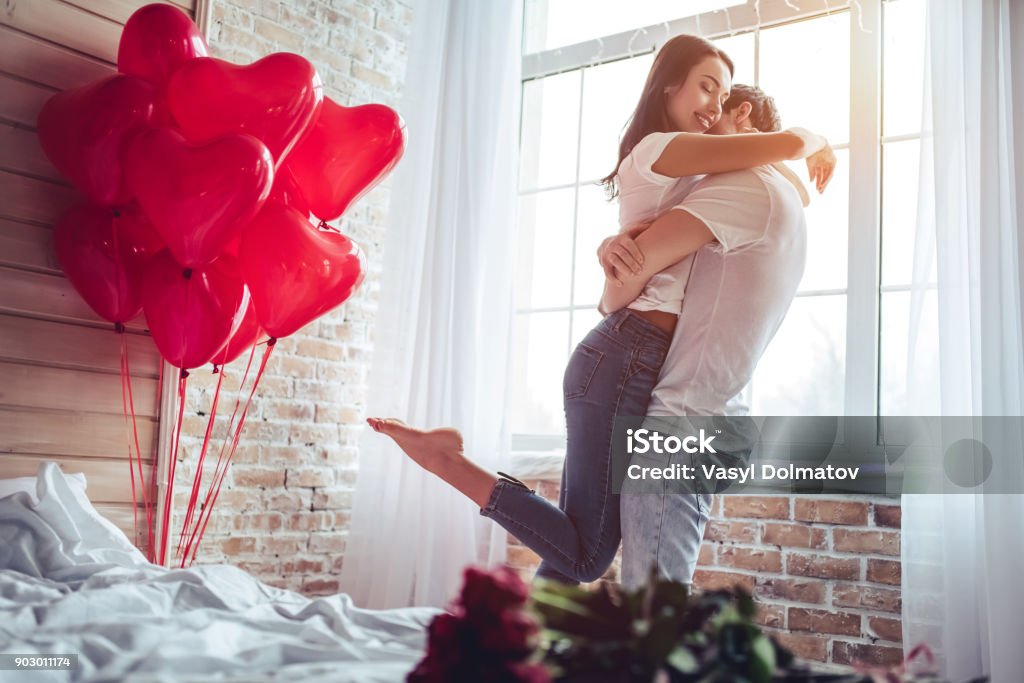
(381, 424)
(394, 428)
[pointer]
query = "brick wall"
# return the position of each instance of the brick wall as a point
(824, 571)
(284, 510)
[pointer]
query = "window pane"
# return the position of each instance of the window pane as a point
(598, 218)
(803, 370)
(610, 93)
(545, 242)
(541, 353)
(903, 66)
(805, 66)
(909, 363)
(828, 220)
(741, 51)
(556, 23)
(550, 121)
(900, 177)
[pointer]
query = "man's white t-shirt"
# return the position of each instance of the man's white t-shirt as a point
(737, 293)
(643, 196)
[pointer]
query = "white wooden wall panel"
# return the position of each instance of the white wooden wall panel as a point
(60, 386)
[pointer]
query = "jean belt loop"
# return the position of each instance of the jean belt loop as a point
(510, 478)
(623, 316)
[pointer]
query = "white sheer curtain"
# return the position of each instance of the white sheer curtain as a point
(442, 340)
(963, 553)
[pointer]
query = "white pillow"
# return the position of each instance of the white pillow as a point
(60, 500)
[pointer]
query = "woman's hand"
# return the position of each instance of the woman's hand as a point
(820, 167)
(620, 253)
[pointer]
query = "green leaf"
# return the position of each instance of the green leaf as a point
(551, 602)
(746, 606)
(783, 656)
(682, 660)
(763, 665)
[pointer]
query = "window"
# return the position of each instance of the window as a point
(582, 77)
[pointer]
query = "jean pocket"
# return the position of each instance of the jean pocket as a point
(646, 360)
(580, 371)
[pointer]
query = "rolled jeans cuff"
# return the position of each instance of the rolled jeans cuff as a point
(503, 481)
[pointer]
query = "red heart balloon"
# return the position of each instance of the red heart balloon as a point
(286, 191)
(199, 197)
(242, 340)
(295, 271)
(275, 99)
(192, 312)
(83, 132)
(344, 154)
(102, 252)
(156, 40)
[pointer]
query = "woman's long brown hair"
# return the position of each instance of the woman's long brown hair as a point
(671, 67)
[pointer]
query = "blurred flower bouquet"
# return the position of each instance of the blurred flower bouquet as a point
(501, 630)
(486, 637)
(660, 631)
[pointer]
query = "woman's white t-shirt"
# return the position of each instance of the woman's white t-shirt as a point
(643, 196)
(742, 284)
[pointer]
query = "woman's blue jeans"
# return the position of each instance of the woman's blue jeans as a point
(612, 372)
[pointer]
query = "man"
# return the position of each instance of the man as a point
(736, 293)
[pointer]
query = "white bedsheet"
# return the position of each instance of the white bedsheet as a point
(71, 582)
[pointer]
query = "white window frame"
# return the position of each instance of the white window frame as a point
(863, 290)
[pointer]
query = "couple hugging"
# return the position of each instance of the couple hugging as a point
(710, 251)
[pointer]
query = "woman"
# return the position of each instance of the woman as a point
(614, 369)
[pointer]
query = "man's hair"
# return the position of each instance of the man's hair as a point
(763, 114)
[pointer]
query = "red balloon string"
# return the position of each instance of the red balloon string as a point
(126, 386)
(127, 389)
(135, 433)
(124, 410)
(152, 510)
(206, 509)
(198, 478)
(176, 438)
(151, 518)
(234, 441)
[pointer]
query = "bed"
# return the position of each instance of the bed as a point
(72, 583)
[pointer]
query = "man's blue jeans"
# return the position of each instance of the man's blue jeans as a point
(662, 526)
(612, 372)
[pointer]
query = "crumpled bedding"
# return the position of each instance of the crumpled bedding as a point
(72, 583)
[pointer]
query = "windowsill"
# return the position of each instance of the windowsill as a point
(537, 465)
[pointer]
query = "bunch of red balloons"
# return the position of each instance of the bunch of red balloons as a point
(209, 188)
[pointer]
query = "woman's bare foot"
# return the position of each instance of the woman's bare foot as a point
(435, 450)
(439, 451)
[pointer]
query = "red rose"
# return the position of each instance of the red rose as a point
(530, 673)
(486, 636)
(492, 592)
(446, 640)
(509, 635)
(428, 671)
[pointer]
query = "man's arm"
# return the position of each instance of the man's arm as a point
(671, 238)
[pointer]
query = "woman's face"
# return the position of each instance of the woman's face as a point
(696, 105)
